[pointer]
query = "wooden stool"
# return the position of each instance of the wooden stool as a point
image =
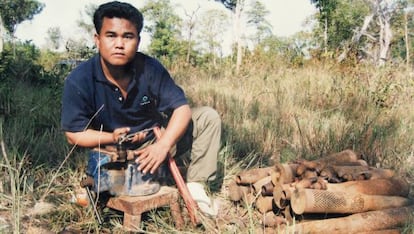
(133, 207)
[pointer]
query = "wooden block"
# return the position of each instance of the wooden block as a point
(133, 207)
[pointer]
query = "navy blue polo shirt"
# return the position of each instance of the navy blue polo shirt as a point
(91, 101)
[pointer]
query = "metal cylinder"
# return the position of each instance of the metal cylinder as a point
(323, 201)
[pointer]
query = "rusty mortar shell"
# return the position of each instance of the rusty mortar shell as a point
(378, 173)
(395, 186)
(324, 201)
(267, 189)
(284, 173)
(257, 186)
(270, 219)
(281, 195)
(264, 204)
(305, 183)
(348, 170)
(236, 192)
(252, 175)
(344, 156)
(367, 222)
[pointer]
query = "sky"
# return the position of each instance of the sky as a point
(286, 16)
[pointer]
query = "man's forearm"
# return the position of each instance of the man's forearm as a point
(176, 126)
(89, 138)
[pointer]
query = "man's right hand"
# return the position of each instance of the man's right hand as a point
(119, 132)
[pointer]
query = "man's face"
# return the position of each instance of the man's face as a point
(117, 41)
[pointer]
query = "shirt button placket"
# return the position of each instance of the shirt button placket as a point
(119, 94)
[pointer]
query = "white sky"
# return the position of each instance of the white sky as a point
(286, 17)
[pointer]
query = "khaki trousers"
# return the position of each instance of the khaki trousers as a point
(201, 144)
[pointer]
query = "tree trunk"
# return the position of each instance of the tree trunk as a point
(2, 31)
(385, 35)
(407, 43)
(237, 21)
(356, 37)
(325, 36)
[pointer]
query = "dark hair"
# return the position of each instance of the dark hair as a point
(119, 10)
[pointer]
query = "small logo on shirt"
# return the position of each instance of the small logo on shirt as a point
(145, 100)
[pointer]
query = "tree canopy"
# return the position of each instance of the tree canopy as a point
(13, 12)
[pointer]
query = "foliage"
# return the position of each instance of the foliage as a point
(14, 12)
(18, 63)
(79, 50)
(339, 19)
(163, 26)
(257, 19)
(229, 4)
(54, 37)
(211, 32)
(87, 24)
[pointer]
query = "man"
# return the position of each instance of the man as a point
(121, 91)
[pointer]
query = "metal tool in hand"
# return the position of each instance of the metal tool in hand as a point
(129, 137)
(121, 150)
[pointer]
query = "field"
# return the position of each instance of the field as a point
(271, 112)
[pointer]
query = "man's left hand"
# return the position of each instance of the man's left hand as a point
(151, 157)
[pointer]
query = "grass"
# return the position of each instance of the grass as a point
(270, 113)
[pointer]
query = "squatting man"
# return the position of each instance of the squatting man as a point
(122, 91)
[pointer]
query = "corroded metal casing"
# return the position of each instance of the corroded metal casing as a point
(251, 176)
(323, 201)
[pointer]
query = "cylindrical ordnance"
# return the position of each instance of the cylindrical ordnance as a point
(320, 184)
(270, 219)
(281, 195)
(267, 189)
(309, 165)
(305, 183)
(309, 174)
(344, 156)
(284, 173)
(248, 198)
(383, 231)
(264, 204)
(323, 201)
(348, 170)
(394, 186)
(330, 175)
(257, 186)
(288, 214)
(237, 192)
(359, 162)
(356, 223)
(252, 175)
(378, 173)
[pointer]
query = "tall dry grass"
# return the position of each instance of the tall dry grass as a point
(288, 113)
(271, 111)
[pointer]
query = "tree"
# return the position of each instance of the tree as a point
(83, 47)
(163, 25)
(13, 12)
(54, 37)
(189, 26)
(236, 6)
(326, 9)
(86, 25)
(211, 31)
(257, 19)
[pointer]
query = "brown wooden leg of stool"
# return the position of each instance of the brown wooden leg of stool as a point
(132, 222)
(176, 213)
